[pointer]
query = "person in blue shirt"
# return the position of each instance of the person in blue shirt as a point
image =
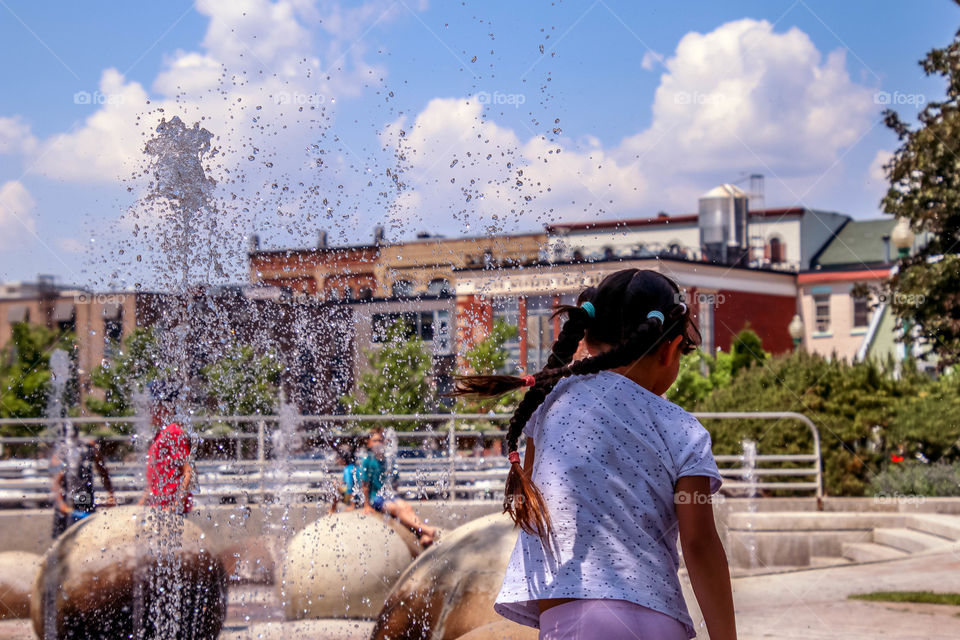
(349, 489)
(373, 476)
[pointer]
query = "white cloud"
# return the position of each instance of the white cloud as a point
(16, 214)
(651, 60)
(747, 98)
(71, 245)
(740, 99)
(876, 172)
(256, 83)
(15, 136)
(474, 175)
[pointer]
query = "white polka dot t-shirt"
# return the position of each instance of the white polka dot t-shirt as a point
(608, 453)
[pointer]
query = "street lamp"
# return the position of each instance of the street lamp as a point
(796, 330)
(902, 237)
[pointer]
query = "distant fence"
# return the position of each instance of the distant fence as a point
(435, 461)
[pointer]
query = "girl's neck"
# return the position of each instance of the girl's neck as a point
(646, 371)
(645, 374)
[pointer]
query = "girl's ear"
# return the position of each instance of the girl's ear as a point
(670, 350)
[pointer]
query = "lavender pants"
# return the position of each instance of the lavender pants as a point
(608, 619)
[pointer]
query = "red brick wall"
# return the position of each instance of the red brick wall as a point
(474, 323)
(768, 316)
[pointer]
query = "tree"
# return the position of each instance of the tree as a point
(489, 357)
(135, 364)
(746, 349)
(397, 377)
(243, 382)
(25, 372)
(924, 175)
(691, 385)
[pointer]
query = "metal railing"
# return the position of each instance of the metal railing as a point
(240, 467)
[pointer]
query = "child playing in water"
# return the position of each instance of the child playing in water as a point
(373, 477)
(612, 471)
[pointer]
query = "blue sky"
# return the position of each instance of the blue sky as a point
(629, 108)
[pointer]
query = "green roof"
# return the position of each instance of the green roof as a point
(859, 243)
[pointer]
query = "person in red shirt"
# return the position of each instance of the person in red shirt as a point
(169, 472)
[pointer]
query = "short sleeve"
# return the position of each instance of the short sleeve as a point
(531, 428)
(696, 458)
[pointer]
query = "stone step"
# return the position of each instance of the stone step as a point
(828, 561)
(944, 525)
(908, 540)
(869, 551)
(813, 520)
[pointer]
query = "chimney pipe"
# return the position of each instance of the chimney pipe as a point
(322, 239)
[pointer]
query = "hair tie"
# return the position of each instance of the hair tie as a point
(514, 457)
(656, 314)
(588, 307)
(529, 381)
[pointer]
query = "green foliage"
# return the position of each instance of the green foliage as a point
(929, 597)
(489, 357)
(25, 372)
(863, 413)
(700, 373)
(691, 386)
(136, 364)
(396, 380)
(940, 479)
(924, 189)
(243, 383)
(747, 348)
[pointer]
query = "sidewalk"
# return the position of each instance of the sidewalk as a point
(812, 603)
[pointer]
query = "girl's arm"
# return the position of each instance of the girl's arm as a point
(704, 556)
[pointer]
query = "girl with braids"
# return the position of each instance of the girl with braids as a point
(612, 473)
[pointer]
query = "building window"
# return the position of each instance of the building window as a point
(112, 331)
(429, 326)
(776, 251)
(507, 309)
(402, 289)
(439, 287)
(861, 313)
(540, 333)
(821, 306)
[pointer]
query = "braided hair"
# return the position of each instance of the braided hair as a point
(617, 317)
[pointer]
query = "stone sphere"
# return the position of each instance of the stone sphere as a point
(17, 570)
(130, 572)
(450, 589)
(343, 565)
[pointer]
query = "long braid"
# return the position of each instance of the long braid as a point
(523, 500)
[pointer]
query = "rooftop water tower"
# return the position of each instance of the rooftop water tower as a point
(722, 219)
